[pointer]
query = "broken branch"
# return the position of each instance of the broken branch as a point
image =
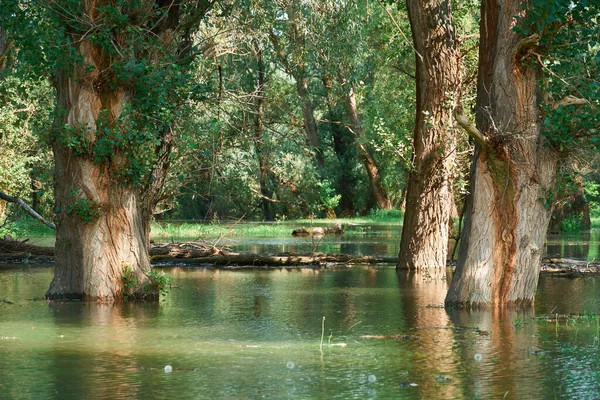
(27, 208)
(472, 131)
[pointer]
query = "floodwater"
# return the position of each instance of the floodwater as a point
(360, 333)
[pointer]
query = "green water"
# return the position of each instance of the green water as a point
(257, 334)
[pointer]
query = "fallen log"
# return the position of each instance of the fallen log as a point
(338, 229)
(196, 253)
(237, 261)
(182, 250)
(13, 247)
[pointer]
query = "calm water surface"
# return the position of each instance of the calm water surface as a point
(257, 334)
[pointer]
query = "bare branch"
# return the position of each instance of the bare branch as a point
(569, 101)
(27, 208)
(472, 131)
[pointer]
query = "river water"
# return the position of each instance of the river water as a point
(261, 334)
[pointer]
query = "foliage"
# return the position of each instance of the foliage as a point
(571, 224)
(569, 56)
(25, 227)
(156, 285)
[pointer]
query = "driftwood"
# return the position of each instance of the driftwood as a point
(194, 253)
(338, 229)
(15, 247)
(570, 267)
(240, 261)
(182, 250)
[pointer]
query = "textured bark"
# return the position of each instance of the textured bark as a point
(103, 223)
(429, 198)
(375, 186)
(91, 255)
(506, 218)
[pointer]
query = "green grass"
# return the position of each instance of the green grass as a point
(192, 230)
(28, 227)
(24, 228)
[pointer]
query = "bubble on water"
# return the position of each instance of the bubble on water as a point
(290, 365)
(168, 369)
(478, 357)
(372, 378)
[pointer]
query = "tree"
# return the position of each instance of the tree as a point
(120, 82)
(26, 101)
(519, 134)
(265, 176)
(295, 65)
(429, 197)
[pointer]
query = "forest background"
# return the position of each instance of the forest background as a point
(292, 110)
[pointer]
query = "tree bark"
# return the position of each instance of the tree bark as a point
(103, 220)
(513, 171)
(375, 186)
(100, 223)
(429, 197)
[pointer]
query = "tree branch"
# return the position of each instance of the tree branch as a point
(569, 101)
(5, 53)
(472, 131)
(27, 208)
(527, 44)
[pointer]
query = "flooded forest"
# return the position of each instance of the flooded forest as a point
(315, 199)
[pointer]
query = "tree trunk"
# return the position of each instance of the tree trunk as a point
(103, 219)
(297, 70)
(342, 146)
(429, 196)
(506, 218)
(573, 206)
(264, 174)
(375, 186)
(310, 124)
(101, 226)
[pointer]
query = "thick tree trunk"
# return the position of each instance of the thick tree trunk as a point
(429, 197)
(506, 218)
(264, 175)
(375, 186)
(101, 226)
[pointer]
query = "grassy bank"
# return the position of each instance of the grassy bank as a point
(190, 230)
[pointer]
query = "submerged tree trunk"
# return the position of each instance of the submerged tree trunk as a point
(375, 186)
(429, 197)
(102, 215)
(513, 171)
(100, 227)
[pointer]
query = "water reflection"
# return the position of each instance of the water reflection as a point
(238, 334)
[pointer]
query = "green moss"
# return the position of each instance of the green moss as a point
(501, 176)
